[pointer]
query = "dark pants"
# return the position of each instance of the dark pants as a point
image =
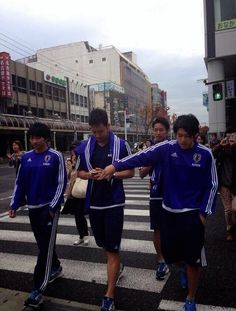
(75, 207)
(45, 230)
(80, 220)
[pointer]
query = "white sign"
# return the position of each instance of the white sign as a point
(230, 89)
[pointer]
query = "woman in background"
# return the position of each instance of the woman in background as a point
(73, 205)
(15, 157)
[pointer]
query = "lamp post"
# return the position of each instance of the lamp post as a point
(125, 121)
(25, 129)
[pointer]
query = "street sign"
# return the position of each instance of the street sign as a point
(230, 89)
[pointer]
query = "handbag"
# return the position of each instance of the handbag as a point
(79, 188)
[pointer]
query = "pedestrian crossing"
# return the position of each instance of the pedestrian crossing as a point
(84, 267)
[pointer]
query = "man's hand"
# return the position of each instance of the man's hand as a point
(107, 173)
(12, 213)
(203, 219)
(95, 173)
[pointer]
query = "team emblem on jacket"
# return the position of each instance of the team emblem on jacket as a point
(197, 157)
(47, 158)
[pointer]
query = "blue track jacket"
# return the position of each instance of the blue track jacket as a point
(41, 180)
(119, 149)
(189, 176)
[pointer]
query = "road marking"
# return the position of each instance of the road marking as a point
(131, 245)
(6, 198)
(178, 306)
(133, 278)
(64, 221)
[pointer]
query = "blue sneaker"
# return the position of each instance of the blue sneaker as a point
(183, 280)
(190, 305)
(55, 274)
(35, 299)
(107, 304)
(162, 271)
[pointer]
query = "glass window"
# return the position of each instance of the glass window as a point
(40, 89)
(32, 85)
(225, 14)
(48, 91)
(55, 92)
(21, 84)
(104, 59)
(90, 61)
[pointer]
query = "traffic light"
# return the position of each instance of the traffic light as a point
(217, 91)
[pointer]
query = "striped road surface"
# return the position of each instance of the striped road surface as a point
(84, 267)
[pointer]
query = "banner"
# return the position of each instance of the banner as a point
(5, 76)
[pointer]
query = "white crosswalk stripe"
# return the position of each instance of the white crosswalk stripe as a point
(136, 277)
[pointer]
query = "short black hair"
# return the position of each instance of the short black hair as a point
(162, 121)
(188, 122)
(40, 129)
(98, 116)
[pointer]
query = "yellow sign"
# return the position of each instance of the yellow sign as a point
(231, 23)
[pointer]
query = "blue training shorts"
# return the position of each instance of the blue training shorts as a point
(182, 238)
(107, 226)
(155, 214)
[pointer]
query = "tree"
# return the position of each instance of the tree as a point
(148, 114)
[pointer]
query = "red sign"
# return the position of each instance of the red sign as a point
(5, 76)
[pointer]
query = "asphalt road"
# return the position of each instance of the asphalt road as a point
(218, 284)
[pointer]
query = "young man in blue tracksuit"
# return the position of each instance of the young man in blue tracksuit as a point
(105, 199)
(160, 127)
(189, 193)
(40, 184)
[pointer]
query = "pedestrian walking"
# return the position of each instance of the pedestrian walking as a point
(75, 206)
(225, 154)
(189, 192)
(40, 184)
(160, 127)
(14, 159)
(105, 199)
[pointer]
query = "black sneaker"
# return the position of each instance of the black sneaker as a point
(35, 299)
(55, 274)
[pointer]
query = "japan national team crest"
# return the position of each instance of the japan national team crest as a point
(197, 157)
(47, 158)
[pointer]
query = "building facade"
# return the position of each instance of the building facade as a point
(220, 59)
(91, 66)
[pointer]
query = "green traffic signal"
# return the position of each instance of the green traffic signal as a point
(217, 91)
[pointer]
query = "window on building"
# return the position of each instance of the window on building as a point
(48, 91)
(104, 59)
(225, 14)
(90, 61)
(62, 95)
(72, 98)
(55, 92)
(228, 9)
(81, 101)
(32, 86)
(85, 102)
(40, 89)
(77, 99)
(21, 84)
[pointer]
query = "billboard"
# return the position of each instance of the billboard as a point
(5, 76)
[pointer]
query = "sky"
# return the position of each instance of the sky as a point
(166, 35)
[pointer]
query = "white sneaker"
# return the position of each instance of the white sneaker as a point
(79, 241)
(86, 239)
